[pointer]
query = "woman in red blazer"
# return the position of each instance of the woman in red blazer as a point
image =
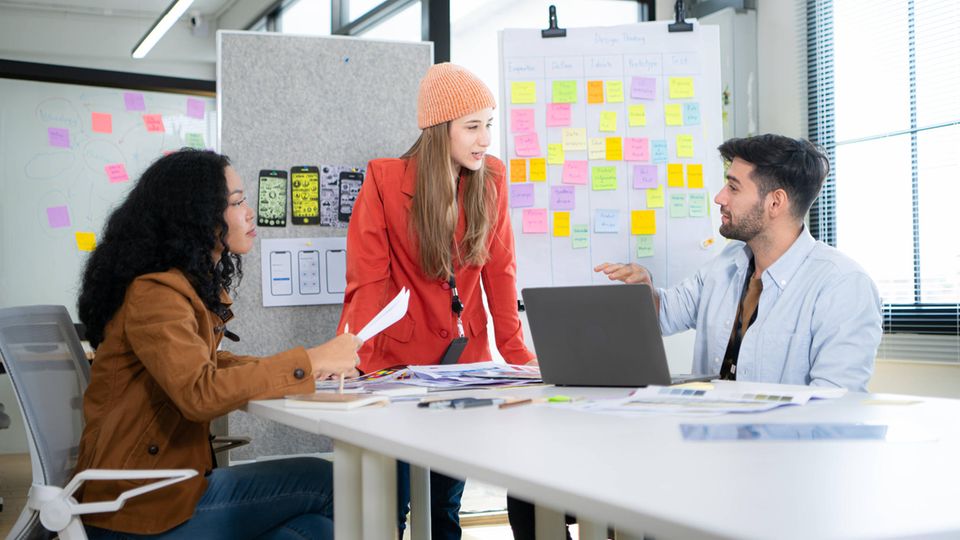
(436, 221)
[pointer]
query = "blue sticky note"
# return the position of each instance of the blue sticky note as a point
(691, 114)
(783, 432)
(606, 221)
(658, 151)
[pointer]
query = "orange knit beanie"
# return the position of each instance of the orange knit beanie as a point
(448, 92)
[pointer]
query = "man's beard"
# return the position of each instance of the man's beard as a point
(746, 227)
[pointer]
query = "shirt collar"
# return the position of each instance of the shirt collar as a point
(784, 268)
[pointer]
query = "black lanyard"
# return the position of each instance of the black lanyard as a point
(455, 304)
(728, 371)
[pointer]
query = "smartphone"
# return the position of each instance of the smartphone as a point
(336, 271)
(281, 277)
(350, 183)
(309, 266)
(305, 195)
(329, 191)
(272, 199)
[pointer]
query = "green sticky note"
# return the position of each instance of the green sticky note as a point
(564, 91)
(194, 140)
(581, 236)
(603, 178)
(698, 205)
(644, 246)
(678, 205)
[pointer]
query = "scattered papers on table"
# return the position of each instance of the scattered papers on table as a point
(480, 374)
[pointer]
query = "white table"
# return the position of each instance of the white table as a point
(638, 474)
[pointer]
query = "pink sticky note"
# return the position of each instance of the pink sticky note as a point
(527, 145)
(134, 101)
(521, 120)
(195, 108)
(116, 172)
(562, 198)
(643, 88)
(644, 176)
(58, 216)
(574, 172)
(153, 122)
(521, 195)
(636, 149)
(59, 137)
(558, 114)
(102, 122)
(535, 221)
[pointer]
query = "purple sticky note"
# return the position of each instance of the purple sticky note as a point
(134, 101)
(574, 172)
(527, 145)
(521, 120)
(558, 114)
(116, 172)
(195, 108)
(636, 149)
(59, 137)
(535, 220)
(521, 195)
(562, 198)
(58, 216)
(643, 88)
(644, 176)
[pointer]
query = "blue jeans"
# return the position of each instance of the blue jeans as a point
(445, 494)
(284, 499)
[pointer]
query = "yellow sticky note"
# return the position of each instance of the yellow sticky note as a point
(608, 121)
(561, 223)
(538, 169)
(518, 170)
(603, 178)
(675, 174)
(684, 145)
(594, 92)
(86, 241)
(523, 92)
(614, 91)
(637, 115)
(614, 148)
(643, 222)
(681, 87)
(695, 176)
(574, 139)
(596, 148)
(655, 197)
(564, 92)
(555, 154)
(673, 112)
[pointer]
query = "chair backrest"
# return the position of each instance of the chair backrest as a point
(49, 372)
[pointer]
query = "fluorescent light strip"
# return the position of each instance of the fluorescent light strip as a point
(166, 21)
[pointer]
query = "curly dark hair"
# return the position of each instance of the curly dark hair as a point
(172, 218)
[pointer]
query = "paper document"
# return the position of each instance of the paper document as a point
(393, 312)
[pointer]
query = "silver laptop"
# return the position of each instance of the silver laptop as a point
(598, 336)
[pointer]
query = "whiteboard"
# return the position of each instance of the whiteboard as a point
(589, 144)
(68, 155)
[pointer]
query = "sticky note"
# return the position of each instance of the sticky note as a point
(521, 120)
(58, 217)
(691, 114)
(523, 92)
(675, 174)
(643, 88)
(678, 205)
(555, 154)
(574, 172)
(636, 149)
(59, 137)
(655, 197)
(603, 178)
(637, 115)
(658, 151)
(534, 221)
(580, 239)
(643, 222)
(153, 123)
(562, 198)
(644, 247)
(521, 195)
(86, 241)
(195, 108)
(116, 173)
(698, 204)
(194, 140)
(561, 223)
(681, 87)
(596, 148)
(564, 92)
(102, 122)
(606, 221)
(614, 148)
(644, 176)
(684, 146)
(673, 114)
(526, 144)
(614, 91)
(574, 139)
(558, 114)
(695, 176)
(518, 170)
(594, 92)
(608, 121)
(538, 169)
(133, 101)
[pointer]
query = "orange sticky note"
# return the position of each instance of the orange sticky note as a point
(518, 170)
(102, 122)
(614, 149)
(695, 176)
(643, 222)
(561, 223)
(538, 169)
(675, 174)
(594, 92)
(86, 241)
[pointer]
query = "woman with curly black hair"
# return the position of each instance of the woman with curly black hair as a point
(155, 303)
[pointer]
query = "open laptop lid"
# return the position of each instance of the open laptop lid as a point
(597, 335)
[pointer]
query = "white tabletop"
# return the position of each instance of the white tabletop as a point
(639, 475)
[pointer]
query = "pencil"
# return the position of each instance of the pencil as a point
(514, 403)
(340, 391)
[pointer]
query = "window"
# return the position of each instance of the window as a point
(311, 17)
(403, 26)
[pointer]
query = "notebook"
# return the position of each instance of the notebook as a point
(598, 336)
(331, 401)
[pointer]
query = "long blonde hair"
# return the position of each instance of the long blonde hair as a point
(433, 217)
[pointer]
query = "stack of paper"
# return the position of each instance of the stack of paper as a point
(480, 374)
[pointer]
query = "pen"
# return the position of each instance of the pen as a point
(515, 403)
(459, 403)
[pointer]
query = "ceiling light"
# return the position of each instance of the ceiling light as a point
(167, 20)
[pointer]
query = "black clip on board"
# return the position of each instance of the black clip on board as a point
(680, 25)
(554, 30)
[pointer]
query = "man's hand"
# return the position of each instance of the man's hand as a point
(627, 273)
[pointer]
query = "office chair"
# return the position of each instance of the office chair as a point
(49, 373)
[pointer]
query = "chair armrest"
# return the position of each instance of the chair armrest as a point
(222, 444)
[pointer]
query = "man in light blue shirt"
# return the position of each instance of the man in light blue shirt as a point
(775, 305)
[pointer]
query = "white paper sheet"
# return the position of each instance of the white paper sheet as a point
(393, 312)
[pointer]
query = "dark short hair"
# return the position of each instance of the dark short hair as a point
(795, 165)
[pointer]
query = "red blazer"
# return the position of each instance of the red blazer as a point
(383, 257)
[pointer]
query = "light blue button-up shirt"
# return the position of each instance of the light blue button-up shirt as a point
(818, 321)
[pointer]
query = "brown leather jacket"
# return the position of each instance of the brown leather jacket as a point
(156, 383)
